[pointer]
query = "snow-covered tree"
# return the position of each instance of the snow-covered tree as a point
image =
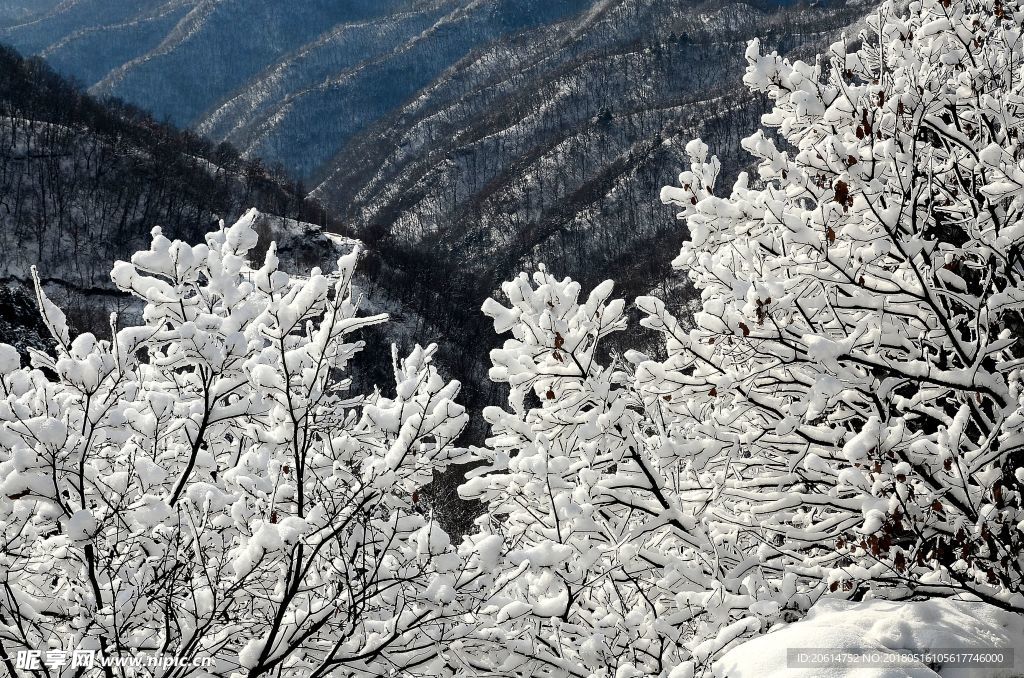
(204, 486)
(861, 312)
(842, 417)
(603, 561)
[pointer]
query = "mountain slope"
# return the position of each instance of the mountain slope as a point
(82, 182)
(549, 148)
(287, 81)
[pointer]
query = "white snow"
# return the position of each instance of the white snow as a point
(885, 627)
(81, 525)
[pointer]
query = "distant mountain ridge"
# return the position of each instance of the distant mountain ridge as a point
(258, 73)
(296, 82)
(549, 147)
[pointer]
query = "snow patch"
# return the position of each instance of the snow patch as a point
(886, 627)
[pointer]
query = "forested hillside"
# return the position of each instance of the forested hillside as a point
(542, 149)
(297, 82)
(289, 81)
(82, 183)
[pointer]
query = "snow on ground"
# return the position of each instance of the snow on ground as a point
(884, 627)
(300, 245)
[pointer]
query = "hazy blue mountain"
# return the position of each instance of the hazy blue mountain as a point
(288, 81)
(18, 11)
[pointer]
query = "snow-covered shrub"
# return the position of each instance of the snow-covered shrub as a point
(844, 418)
(860, 331)
(599, 535)
(205, 486)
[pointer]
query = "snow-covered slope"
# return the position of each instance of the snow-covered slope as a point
(295, 82)
(175, 57)
(883, 639)
(478, 134)
(546, 148)
(288, 81)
